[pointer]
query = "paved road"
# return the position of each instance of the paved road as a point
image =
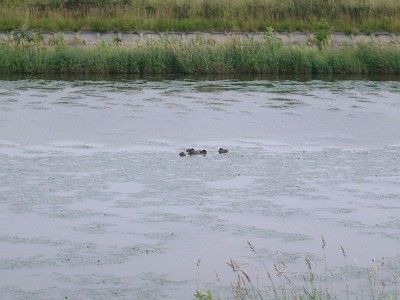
(91, 38)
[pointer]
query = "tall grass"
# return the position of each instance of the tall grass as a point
(316, 282)
(200, 55)
(206, 15)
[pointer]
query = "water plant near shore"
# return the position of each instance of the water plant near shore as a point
(200, 55)
(206, 15)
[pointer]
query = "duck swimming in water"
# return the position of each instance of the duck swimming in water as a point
(222, 151)
(191, 151)
(182, 154)
(203, 152)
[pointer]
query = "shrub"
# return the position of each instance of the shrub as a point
(21, 35)
(322, 33)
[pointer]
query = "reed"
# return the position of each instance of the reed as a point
(379, 280)
(188, 15)
(200, 55)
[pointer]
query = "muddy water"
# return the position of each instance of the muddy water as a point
(95, 202)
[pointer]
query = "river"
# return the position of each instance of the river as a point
(96, 203)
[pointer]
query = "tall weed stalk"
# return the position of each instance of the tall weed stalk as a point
(381, 277)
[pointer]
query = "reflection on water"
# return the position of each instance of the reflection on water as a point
(96, 203)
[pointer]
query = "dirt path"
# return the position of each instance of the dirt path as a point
(91, 38)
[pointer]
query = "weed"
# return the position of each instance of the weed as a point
(117, 40)
(199, 295)
(381, 275)
(22, 35)
(210, 15)
(322, 33)
(58, 40)
(200, 55)
(271, 39)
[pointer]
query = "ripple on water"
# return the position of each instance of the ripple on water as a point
(99, 220)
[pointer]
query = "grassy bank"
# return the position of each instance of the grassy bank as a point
(206, 15)
(201, 55)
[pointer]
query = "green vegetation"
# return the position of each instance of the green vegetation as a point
(27, 54)
(317, 282)
(322, 33)
(205, 15)
(200, 295)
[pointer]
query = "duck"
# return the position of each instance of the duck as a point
(203, 152)
(222, 151)
(191, 151)
(182, 154)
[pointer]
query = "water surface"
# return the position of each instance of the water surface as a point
(96, 203)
